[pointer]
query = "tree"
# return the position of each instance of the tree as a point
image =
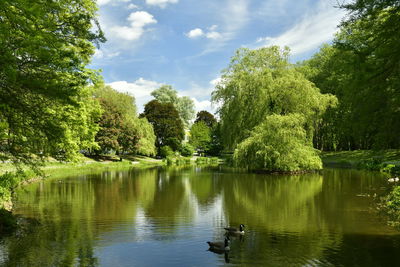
(361, 69)
(166, 122)
(200, 136)
(120, 128)
(45, 104)
(206, 117)
(184, 105)
(279, 143)
(262, 82)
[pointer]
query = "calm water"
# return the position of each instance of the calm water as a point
(164, 218)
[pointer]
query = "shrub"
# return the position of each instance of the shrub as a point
(166, 151)
(373, 164)
(187, 150)
(391, 205)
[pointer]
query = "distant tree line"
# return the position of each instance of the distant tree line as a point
(362, 69)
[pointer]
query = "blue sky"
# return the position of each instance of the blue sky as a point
(186, 43)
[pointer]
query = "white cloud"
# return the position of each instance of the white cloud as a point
(140, 89)
(132, 6)
(161, 3)
(203, 105)
(313, 30)
(213, 35)
(138, 21)
(100, 54)
(195, 33)
(215, 81)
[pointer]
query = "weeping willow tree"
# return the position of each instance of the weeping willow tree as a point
(261, 87)
(279, 143)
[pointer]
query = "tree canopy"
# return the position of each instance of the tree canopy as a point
(46, 106)
(200, 136)
(362, 69)
(120, 128)
(206, 117)
(184, 105)
(166, 122)
(262, 82)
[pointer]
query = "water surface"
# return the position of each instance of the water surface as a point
(159, 217)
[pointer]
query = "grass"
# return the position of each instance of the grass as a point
(354, 158)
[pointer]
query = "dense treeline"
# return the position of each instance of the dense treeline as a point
(362, 68)
(346, 97)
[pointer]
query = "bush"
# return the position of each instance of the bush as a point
(206, 160)
(373, 164)
(7, 182)
(171, 160)
(166, 151)
(187, 150)
(391, 205)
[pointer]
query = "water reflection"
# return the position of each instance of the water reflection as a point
(163, 217)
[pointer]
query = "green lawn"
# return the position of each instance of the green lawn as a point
(352, 158)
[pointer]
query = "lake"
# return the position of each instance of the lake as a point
(163, 217)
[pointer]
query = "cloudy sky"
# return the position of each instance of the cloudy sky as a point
(186, 43)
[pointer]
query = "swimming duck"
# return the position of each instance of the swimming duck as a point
(234, 230)
(392, 180)
(219, 246)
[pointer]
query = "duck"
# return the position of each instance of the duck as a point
(392, 180)
(219, 246)
(234, 230)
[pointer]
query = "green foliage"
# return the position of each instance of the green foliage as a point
(200, 136)
(362, 70)
(120, 128)
(216, 146)
(391, 169)
(279, 143)
(391, 205)
(206, 160)
(166, 151)
(45, 105)
(269, 111)
(206, 117)
(172, 160)
(372, 164)
(8, 181)
(184, 105)
(187, 150)
(166, 122)
(258, 83)
(146, 144)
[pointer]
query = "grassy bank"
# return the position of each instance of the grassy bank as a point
(361, 158)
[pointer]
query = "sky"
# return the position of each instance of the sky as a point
(187, 43)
